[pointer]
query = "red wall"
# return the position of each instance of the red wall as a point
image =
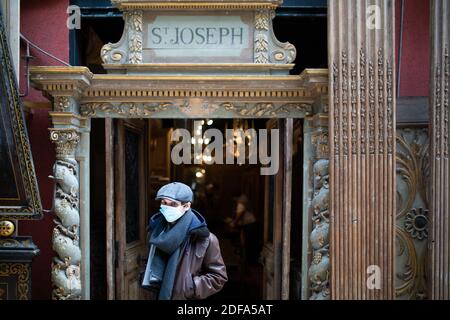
(43, 23)
(415, 60)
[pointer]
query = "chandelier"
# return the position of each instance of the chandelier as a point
(240, 139)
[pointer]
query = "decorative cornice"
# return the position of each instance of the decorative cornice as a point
(196, 93)
(202, 78)
(61, 81)
(36, 70)
(196, 5)
(225, 68)
(67, 120)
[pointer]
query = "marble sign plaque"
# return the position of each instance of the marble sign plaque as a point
(176, 38)
(171, 38)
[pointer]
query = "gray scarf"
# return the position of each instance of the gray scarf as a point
(167, 242)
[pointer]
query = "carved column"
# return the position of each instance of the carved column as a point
(362, 142)
(439, 92)
(318, 210)
(66, 266)
(70, 133)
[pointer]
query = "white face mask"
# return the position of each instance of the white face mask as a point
(171, 213)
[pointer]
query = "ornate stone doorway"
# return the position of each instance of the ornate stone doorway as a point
(246, 78)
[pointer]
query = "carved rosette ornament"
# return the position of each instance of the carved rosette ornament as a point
(66, 265)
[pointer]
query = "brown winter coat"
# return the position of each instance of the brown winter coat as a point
(201, 271)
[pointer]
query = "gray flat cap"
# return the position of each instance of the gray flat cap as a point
(175, 191)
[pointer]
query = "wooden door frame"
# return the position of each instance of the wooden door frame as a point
(279, 248)
(120, 203)
(281, 220)
(110, 221)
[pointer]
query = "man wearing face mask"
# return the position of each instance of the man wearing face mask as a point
(184, 260)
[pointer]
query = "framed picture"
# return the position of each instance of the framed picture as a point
(19, 194)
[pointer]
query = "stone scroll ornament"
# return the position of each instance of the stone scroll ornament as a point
(129, 48)
(267, 48)
(66, 265)
(320, 265)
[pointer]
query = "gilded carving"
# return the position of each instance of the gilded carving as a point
(267, 48)
(107, 54)
(261, 49)
(336, 100)
(262, 20)
(437, 112)
(362, 99)
(390, 108)
(354, 112)
(375, 125)
(124, 109)
(62, 103)
(287, 55)
(265, 109)
(14, 243)
(345, 122)
(381, 110)
(279, 56)
(261, 44)
(66, 265)
(7, 228)
(129, 48)
(319, 270)
(66, 141)
(262, 109)
(197, 5)
(134, 20)
(22, 270)
(412, 219)
(412, 168)
(321, 142)
(172, 93)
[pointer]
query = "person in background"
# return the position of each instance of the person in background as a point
(210, 205)
(245, 220)
(184, 260)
